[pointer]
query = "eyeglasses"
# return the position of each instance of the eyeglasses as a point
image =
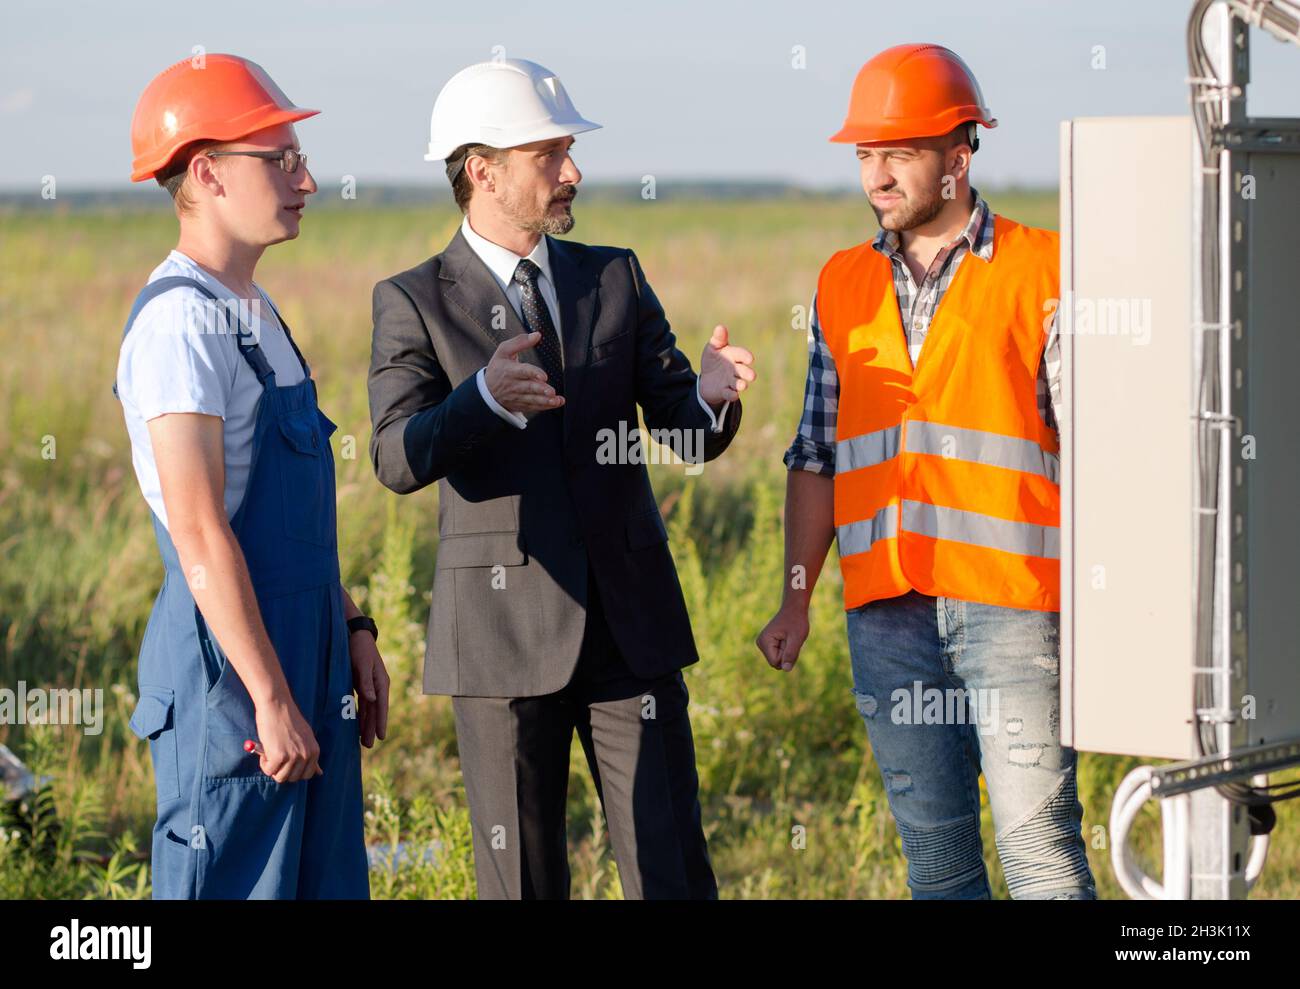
(289, 159)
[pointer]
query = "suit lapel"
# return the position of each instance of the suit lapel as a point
(473, 292)
(471, 289)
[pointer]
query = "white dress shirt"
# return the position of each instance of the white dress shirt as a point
(502, 262)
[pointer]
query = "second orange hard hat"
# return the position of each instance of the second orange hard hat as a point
(912, 91)
(207, 98)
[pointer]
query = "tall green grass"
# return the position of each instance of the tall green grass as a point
(793, 803)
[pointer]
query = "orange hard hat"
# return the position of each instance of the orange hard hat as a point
(206, 98)
(912, 91)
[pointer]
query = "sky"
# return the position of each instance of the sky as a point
(709, 89)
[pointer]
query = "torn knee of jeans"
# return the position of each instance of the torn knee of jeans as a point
(866, 704)
(897, 782)
(1025, 754)
(1015, 726)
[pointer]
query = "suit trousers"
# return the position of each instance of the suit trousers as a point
(514, 753)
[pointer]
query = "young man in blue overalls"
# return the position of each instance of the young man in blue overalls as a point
(254, 648)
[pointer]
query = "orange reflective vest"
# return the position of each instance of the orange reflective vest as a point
(946, 476)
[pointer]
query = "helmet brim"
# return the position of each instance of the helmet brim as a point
(543, 132)
(227, 130)
(901, 129)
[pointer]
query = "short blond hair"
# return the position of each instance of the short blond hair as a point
(173, 176)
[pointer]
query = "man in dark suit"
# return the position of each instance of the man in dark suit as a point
(501, 369)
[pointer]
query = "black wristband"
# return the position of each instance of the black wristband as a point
(363, 623)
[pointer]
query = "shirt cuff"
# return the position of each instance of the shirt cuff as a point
(715, 421)
(515, 419)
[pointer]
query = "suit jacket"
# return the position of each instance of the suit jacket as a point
(524, 514)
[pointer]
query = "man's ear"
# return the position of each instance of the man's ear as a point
(479, 170)
(203, 173)
(959, 160)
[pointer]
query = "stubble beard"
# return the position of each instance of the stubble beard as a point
(911, 213)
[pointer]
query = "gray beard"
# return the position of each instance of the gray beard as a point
(556, 224)
(544, 224)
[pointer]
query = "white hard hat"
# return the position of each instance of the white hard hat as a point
(501, 104)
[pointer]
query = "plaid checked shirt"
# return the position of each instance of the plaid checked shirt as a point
(813, 448)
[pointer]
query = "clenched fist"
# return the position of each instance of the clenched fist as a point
(783, 637)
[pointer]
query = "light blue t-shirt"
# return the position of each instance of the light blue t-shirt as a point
(179, 358)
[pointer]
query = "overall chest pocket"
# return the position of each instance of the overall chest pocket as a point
(307, 478)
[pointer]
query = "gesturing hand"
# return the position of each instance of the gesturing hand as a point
(517, 386)
(725, 371)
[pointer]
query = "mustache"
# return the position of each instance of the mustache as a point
(566, 194)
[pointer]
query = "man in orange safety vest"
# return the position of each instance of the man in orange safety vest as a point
(928, 449)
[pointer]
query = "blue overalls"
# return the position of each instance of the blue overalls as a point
(225, 830)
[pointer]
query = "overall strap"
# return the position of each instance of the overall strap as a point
(248, 347)
(306, 368)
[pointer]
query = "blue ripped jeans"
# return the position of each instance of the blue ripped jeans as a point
(947, 688)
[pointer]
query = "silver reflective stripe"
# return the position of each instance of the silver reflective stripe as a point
(994, 449)
(961, 526)
(866, 450)
(857, 537)
(955, 442)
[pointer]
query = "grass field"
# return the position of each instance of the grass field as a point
(80, 566)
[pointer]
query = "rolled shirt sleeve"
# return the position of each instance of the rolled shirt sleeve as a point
(813, 448)
(1049, 378)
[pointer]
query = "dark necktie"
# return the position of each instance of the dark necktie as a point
(538, 320)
